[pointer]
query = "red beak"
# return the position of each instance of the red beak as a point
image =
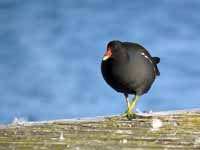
(107, 54)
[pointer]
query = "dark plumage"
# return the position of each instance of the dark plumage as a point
(129, 68)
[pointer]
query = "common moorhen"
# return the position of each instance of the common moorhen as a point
(130, 69)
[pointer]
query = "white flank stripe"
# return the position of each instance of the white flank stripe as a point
(143, 54)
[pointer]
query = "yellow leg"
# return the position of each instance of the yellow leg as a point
(127, 100)
(132, 106)
(128, 105)
(129, 113)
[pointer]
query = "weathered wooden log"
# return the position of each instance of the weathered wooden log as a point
(171, 130)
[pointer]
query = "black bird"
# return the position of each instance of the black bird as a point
(130, 69)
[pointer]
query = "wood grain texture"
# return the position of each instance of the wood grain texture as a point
(174, 130)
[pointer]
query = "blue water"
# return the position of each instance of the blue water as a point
(50, 55)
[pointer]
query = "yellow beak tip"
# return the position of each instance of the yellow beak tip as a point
(105, 58)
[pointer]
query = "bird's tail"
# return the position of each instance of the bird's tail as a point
(156, 60)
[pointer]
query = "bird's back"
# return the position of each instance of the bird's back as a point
(140, 49)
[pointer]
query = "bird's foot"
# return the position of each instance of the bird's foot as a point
(129, 115)
(132, 115)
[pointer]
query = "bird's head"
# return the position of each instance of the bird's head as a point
(113, 49)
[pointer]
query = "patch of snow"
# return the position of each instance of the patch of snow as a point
(61, 136)
(138, 110)
(77, 148)
(19, 121)
(156, 124)
(124, 141)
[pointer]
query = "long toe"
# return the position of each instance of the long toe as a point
(131, 115)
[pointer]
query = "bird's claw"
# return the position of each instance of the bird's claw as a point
(129, 115)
